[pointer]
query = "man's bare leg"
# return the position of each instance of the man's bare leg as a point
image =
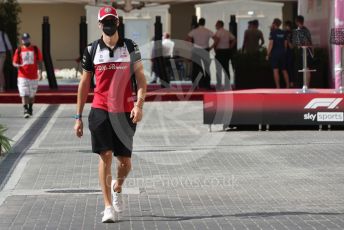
(276, 78)
(25, 100)
(123, 169)
(286, 78)
(105, 178)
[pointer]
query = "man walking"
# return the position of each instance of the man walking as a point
(224, 42)
(114, 115)
(27, 58)
(201, 36)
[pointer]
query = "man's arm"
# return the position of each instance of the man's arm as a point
(83, 90)
(216, 42)
(262, 41)
(40, 69)
(136, 113)
(15, 59)
(290, 42)
(39, 62)
(244, 42)
(285, 44)
(271, 43)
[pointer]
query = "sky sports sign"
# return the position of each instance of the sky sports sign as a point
(329, 110)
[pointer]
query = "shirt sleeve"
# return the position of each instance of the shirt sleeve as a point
(87, 63)
(137, 54)
(271, 36)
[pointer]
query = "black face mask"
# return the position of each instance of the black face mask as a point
(109, 27)
(27, 44)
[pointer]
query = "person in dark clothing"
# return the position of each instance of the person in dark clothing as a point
(302, 37)
(289, 52)
(276, 52)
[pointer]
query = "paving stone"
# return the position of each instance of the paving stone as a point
(188, 178)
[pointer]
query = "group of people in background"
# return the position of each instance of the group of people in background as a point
(223, 44)
(280, 50)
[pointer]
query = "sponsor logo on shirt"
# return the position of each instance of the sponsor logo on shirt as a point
(111, 67)
(28, 57)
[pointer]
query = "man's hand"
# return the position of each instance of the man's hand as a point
(136, 114)
(78, 128)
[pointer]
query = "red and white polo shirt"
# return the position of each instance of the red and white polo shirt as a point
(111, 68)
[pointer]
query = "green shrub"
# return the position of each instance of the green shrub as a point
(5, 144)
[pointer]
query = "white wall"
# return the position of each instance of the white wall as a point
(265, 12)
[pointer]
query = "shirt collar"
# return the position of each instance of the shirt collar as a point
(102, 45)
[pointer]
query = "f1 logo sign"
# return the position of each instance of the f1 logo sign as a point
(330, 103)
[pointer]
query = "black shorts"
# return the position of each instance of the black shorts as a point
(111, 131)
(278, 61)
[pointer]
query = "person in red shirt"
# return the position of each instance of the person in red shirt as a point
(114, 115)
(27, 58)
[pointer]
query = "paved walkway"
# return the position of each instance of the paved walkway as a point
(183, 176)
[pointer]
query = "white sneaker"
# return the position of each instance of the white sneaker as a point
(108, 215)
(26, 114)
(117, 199)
